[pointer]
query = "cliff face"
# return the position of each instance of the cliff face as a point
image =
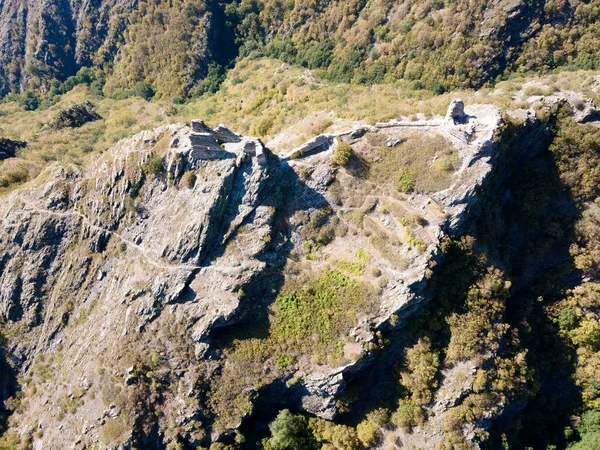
(94, 261)
(126, 286)
(52, 40)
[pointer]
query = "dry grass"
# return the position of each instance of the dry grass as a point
(260, 97)
(431, 161)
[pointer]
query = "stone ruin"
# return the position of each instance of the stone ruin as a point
(205, 144)
(456, 112)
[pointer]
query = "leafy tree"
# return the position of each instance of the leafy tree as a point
(568, 319)
(289, 431)
(408, 415)
(587, 333)
(366, 432)
(421, 367)
(144, 90)
(211, 83)
(342, 154)
(30, 101)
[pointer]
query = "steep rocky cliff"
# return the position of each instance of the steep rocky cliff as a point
(123, 282)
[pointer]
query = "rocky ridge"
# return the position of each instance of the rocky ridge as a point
(162, 236)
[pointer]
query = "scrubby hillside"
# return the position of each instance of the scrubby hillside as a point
(174, 292)
(375, 269)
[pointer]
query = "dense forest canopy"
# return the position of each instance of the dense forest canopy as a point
(183, 47)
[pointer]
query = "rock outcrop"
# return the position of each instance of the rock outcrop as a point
(115, 278)
(440, 213)
(456, 111)
(115, 249)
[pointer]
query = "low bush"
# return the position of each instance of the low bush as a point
(342, 154)
(154, 165)
(144, 90)
(405, 181)
(74, 116)
(188, 180)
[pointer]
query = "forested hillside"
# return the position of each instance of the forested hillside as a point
(181, 48)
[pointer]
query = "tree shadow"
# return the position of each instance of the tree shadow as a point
(521, 234)
(526, 202)
(8, 388)
(358, 166)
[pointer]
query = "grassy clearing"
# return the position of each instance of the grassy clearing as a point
(421, 163)
(308, 324)
(260, 97)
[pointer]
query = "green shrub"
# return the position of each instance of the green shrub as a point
(211, 83)
(74, 116)
(30, 101)
(406, 180)
(408, 415)
(265, 126)
(568, 319)
(367, 433)
(587, 333)
(421, 367)
(289, 432)
(144, 90)
(342, 154)
(97, 87)
(590, 422)
(14, 175)
(154, 166)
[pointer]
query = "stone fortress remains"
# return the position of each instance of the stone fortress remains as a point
(205, 143)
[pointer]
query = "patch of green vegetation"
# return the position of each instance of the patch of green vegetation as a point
(414, 241)
(405, 182)
(352, 267)
(310, 318)
(342, 154)
(154, 166)
(289, 431)
(319, 313)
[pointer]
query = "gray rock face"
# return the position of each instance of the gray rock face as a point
(117, 261)
(456, 111)
(121, 250)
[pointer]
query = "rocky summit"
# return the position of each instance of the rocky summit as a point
(128, 275)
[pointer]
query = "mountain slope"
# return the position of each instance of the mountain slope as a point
(170, 238)
(181, 48)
